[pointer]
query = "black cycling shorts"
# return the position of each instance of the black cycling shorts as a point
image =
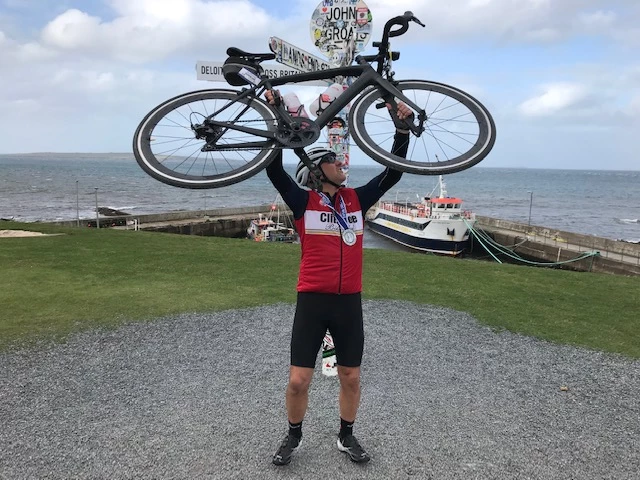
(318, 312)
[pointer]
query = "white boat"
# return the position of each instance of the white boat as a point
(437, 225)
(273, 227)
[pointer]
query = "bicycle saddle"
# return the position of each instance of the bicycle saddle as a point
(252, 57)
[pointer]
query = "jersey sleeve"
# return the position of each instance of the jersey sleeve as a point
(370, 193)
(293, 195)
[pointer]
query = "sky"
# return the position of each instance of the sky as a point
(561, 77)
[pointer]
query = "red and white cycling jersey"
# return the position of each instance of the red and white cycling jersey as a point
(328, 264)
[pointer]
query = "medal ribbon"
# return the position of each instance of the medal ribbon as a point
(341, 218)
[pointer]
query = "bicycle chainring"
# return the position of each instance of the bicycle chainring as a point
(302, 133)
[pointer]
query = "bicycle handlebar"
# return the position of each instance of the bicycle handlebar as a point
(403, 21)
(383, 46)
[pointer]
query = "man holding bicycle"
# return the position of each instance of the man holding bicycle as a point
(330, 221)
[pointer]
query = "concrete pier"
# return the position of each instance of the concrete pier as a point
(543, 244)
(220, 222)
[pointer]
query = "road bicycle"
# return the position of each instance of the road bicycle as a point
(218, 137)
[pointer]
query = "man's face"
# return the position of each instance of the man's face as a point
(333, 171)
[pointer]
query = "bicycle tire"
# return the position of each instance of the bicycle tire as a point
(166, 147)
(373, 130)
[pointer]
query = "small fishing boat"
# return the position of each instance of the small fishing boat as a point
(437, 225)
(275, 227)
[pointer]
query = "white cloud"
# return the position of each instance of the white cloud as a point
(526, 21)
(156, 11)
(555, 98)
(597, 20)
(603, 99)
(148, 30)
(72, 30)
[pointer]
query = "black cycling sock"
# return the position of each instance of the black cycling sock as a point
(346, 428)
(295, 429)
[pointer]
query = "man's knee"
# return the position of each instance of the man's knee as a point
(299, 379)
(349, 377)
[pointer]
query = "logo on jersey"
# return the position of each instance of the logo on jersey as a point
(323, 222)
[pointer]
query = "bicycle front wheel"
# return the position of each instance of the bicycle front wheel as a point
(168, 147)
(458, 132)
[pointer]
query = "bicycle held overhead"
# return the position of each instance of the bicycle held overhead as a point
(218, 137)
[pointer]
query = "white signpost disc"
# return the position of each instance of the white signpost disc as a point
(335, 23)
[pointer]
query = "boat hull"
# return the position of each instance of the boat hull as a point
(444, 247)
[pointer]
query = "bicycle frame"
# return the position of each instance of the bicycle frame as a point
(366, 76)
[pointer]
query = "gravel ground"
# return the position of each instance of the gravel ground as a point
(202, 396)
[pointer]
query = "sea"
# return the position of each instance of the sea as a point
(57, 186)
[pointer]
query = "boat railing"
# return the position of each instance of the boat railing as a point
(422, 211)
(411, 211)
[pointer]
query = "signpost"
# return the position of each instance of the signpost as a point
(337, 24)
(295, 57)
(212, 71)
(339, 29)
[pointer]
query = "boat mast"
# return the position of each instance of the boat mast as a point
(443, 187)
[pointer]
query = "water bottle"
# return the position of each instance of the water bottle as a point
(326, 98)
(294, 107)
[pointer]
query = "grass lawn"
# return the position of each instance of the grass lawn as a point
(51, 286)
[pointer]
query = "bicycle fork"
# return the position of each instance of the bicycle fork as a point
(404, 124)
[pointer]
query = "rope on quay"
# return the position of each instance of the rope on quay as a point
(480, 235)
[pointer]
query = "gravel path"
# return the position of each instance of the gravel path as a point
(202, 396)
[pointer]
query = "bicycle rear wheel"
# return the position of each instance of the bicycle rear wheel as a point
(166, 146)
(459, 130)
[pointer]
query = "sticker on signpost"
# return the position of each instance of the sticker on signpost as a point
(335, 24)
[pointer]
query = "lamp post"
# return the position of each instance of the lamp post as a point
(77, 204)
(205, 203)
(97, 214)
(530, 205)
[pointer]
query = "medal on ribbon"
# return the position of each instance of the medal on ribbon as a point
(348, 235)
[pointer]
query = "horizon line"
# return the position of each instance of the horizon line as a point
(372, 164)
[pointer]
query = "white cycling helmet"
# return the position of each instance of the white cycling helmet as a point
(315, 155)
